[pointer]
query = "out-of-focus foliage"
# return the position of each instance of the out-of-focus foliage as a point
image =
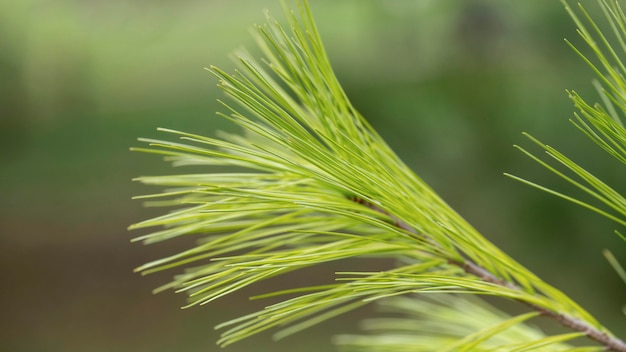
(449, 323)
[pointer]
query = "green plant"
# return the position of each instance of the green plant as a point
(311, 182)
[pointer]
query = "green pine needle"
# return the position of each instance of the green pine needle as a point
(602, 124)
(440, 323)
(309, 182)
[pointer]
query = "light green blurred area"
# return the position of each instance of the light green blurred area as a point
(450, 84)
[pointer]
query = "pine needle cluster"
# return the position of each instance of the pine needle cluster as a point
(309, 181)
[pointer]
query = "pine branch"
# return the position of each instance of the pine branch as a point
(600, 123)
(314, 183)
(436, 323)
(611, 343)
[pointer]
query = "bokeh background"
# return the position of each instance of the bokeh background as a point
(450, 84)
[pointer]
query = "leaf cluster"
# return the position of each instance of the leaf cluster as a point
(309, 182)
(602, 123)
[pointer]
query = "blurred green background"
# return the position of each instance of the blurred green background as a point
(450, 84)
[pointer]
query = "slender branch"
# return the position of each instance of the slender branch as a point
(612, 343)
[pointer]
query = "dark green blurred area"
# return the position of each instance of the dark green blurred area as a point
(449, 84)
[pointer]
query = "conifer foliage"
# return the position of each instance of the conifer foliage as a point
(308, 181)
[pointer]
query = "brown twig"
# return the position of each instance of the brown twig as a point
(611, 343)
